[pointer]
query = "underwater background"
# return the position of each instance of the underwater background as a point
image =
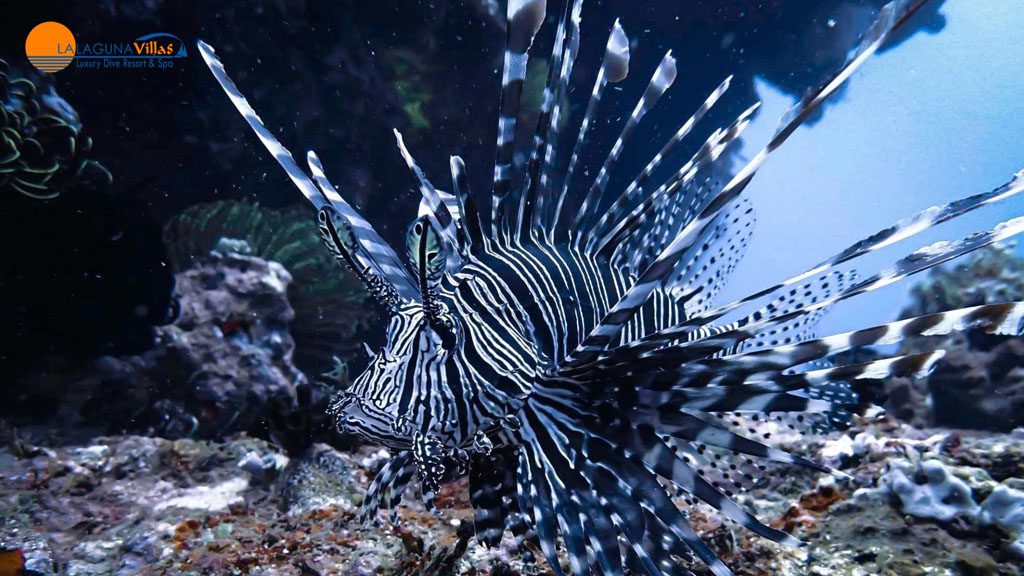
(172, 330)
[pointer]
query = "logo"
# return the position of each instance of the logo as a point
(50, 47)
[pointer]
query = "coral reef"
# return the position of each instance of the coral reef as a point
(223, 366)
(913, 507)
(137, 505)
(979, 384)
(43, 150)
(134, 505)
(330, 303)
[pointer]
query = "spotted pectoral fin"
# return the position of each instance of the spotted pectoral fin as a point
(385, 492)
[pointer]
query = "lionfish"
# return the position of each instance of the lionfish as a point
(562, 347)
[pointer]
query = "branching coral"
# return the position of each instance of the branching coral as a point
(43, 150)
(330, 304)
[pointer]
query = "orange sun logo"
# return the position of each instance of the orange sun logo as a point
(50, 47)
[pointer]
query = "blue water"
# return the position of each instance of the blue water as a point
(935, 119)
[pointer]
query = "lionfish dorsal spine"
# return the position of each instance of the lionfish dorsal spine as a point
(662, 79)
(524, 19)
(392, 274)
(541, 170)
(614, 68)
(530, 201)
(634, 190)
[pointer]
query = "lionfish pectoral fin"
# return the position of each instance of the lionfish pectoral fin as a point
(385, 492)
(902, 230)
(1005, 318)
(492, 493)
(588, 486)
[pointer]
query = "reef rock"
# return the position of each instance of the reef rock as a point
(331, 305)
(130, 505)
(912, 503)
(223, 366)
(980, 389)
(234, 325)
(320, 478)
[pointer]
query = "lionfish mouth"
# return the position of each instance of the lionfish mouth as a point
(354, 415)
(656, 390)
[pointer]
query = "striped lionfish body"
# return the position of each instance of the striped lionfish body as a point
(562, 346)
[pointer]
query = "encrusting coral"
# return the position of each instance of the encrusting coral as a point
(932, 492)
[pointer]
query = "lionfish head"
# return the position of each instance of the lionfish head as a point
(403, 389)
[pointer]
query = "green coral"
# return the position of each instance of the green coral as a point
(41, 152)
(410, 84)
(331, 305)
(533, 84)
(991, 275)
